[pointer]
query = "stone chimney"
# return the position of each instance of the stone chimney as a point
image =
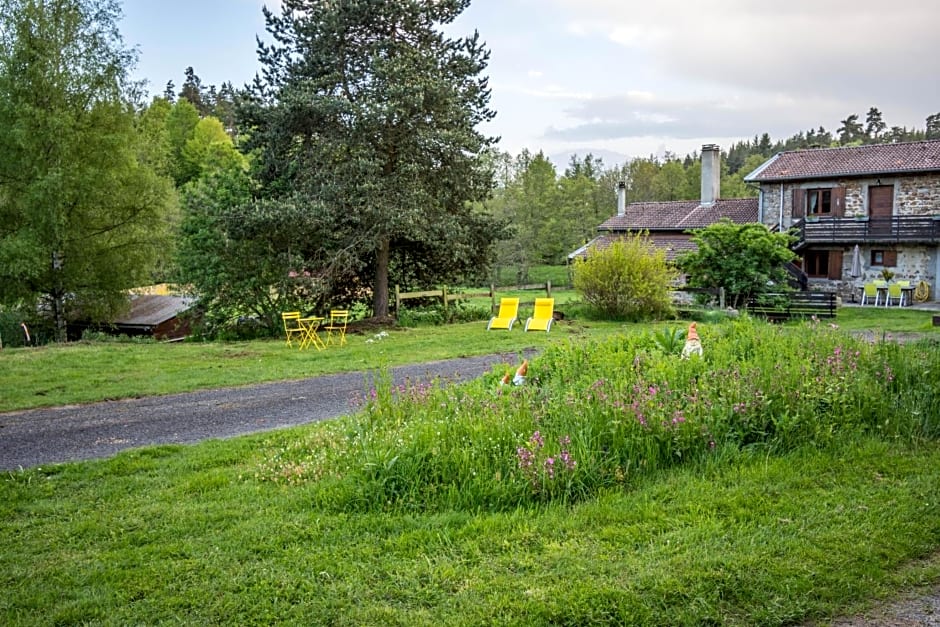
(621, 198)
(711, 173)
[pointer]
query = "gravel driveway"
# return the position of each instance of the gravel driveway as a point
(75, 432)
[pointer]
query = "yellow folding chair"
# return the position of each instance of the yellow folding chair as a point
(508, 312)
(542, 315)
(870, 292)
(293, 327)
(339, 318)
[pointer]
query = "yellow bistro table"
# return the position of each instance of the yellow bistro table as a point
(311, 333)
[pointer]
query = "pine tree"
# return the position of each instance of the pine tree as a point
(368, 112)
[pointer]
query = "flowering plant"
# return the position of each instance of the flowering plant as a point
(887, 275)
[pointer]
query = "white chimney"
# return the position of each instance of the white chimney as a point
(711, 173)
(621, 198)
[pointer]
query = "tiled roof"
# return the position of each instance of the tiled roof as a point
(875, 159)
(681, 215)
(149, 311)
(672, 245)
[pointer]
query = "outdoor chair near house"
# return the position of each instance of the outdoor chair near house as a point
(869, 293)
(542, 315)
(895, 292)
(508, 313)
(294, 328)
(336, 327)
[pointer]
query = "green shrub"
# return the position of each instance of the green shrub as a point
(435, 315)
(37, 331)
(628, 280)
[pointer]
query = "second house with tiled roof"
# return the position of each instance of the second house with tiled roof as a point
(668, 224)
(857, 211)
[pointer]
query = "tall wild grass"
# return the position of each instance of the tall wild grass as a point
(593, 417)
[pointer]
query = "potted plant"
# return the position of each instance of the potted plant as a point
(887, 275)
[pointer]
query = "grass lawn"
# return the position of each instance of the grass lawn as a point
(185, 535)
(746, 534)
(887, 320)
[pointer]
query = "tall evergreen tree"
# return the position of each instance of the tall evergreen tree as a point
(874, 125)
(851, 130)
(933, 126)
(368, 114)
(192, 90)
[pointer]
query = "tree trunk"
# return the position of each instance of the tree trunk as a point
(58, 298)
(380, 285)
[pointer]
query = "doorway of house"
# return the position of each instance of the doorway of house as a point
(880, 208)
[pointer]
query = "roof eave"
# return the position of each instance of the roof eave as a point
(843, 175)
(753, 175)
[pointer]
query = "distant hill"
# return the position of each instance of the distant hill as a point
(609, 157)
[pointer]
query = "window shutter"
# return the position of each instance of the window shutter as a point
(835, 264)
(891, 258)
(799, 203)
(838, 202)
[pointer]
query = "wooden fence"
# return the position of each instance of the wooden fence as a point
(447, 297)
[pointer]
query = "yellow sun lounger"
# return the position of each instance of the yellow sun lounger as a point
(508, 312)
(542, 316)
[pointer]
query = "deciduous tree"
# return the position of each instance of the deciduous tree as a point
(81, 218)
(744, 259)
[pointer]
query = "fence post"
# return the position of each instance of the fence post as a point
(721, 298)
(444, 296)
(492, 297)
(397, 300)
(548, 288)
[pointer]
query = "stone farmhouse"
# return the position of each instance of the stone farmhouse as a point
(883, 198)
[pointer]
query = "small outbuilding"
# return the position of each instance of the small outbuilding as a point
(161, 317)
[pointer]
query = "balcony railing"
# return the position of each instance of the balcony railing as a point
(896, 229)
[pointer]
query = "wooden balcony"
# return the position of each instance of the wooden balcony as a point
(893, 230)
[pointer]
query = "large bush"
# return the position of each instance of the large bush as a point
(744, 259)
(628, 280)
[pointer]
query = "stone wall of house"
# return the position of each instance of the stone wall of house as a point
(913, 195)
(915, 264)
(917, 195)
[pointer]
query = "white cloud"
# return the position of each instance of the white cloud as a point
(732, 68)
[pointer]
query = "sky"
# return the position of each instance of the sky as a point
(624, 77)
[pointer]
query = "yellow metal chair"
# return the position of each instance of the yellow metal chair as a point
(508, 313)
(895, 293)
(542, 315)
(293, 327)
(336, 327)
(870, 292)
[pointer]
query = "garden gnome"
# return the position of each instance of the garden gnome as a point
(506, 378)
(693, 346)
(519, 379)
